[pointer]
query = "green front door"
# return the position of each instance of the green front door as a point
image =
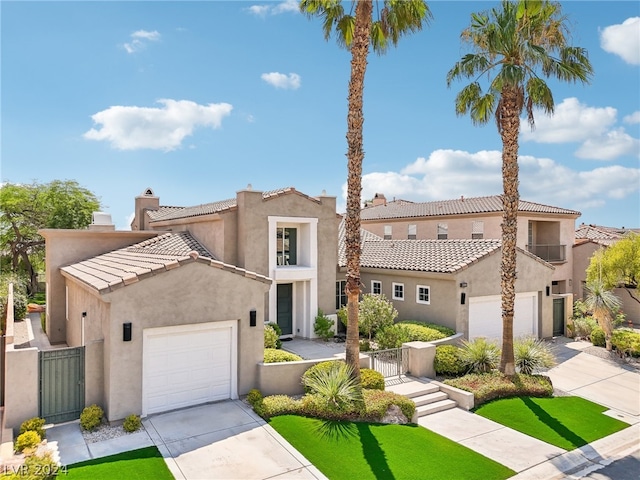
(558, 317)
(285, 308)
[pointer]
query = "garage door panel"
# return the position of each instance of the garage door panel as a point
(485, 316)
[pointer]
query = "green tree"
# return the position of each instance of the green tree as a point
(603, 304)
(375, 312)
(618, 265)
(514, 47)
(356, 33)
(24, 209)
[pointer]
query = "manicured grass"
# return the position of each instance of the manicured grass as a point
(353, 450)
(143, 464)
(566, 422)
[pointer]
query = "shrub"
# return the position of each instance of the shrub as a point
(36, 467)
(270, 337)
(479, 355)
(378, 402)
(322, 366)
(323, 326)
(274, 405)
(365, 346)
(254, 396)
(19, 295)
(626, 342)
(34, 424)
(27, 441)
(489, 386)
(448, 332)
(278, 330)
(335, 386)
(371, 380)
(395, 335)
(581, 327)
(91, 417)
(597, 337)
(391, 337)
(132, 423)
(447, 361)
(273, 355)
(375, 313)
(532, 355)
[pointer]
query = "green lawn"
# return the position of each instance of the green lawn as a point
(350, 450)
(566, 422)
(143, 464)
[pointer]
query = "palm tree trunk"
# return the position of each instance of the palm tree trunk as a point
(355, 156)
(509, 125)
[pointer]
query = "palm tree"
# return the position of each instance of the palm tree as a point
(515, 46)
(603, 304)
(356, 33)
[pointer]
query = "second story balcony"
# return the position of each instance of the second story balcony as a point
(549, 253)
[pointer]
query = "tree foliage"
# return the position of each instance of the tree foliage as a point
(25, 209)
(617, 265)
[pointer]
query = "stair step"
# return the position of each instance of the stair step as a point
(413, 389)
(429, 398)
(435, 407)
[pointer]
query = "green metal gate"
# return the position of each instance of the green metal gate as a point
(61, 384)
(558, 317)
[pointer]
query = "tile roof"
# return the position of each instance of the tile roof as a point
(603, 235)
(461, 206)
(116, 269)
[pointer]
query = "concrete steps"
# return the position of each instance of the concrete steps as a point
(427, 397)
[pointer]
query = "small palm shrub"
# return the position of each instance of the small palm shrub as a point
(27, 441)
(273, 355)
(531, 355)
(132, 423)
(371, 379)
(34, 424)
(597, 337)
(91, 417)
(323, 326)
(270, 337)
(322, 366)
(448, 361)
(335, 386)
(479, 355)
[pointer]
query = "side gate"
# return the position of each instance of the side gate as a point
(61, 374)
(392, 362)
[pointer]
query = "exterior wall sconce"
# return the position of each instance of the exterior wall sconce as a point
(463, 298)
(126, 332)
(548, 288)
(252, 317)
(463, 284)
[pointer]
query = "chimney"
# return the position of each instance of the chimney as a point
(379, 199)
(462, 198)
(101, 222)
(143, 202)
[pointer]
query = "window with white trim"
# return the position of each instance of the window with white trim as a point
(443, 231)
(387, 232)
(412, 232)
(376, 287)
(398, 291)
(477, 229)
(423, 294)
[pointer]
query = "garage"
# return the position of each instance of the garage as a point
(485, 316)
(187, 365)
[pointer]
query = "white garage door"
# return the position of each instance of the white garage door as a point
(485, 316)
(187, 365)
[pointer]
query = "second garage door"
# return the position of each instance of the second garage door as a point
(485, 316)
(187, 365)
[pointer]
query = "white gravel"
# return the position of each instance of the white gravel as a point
(106, 432)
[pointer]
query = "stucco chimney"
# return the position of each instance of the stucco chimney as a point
(379, 199)
(145, 201)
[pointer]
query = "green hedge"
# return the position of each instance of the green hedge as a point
(447, 361)
(273, 355)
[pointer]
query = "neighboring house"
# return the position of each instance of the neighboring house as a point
(589, 239)
(456, 283)
(545, 231)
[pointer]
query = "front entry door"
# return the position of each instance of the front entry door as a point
(558, 317)
(285, 308)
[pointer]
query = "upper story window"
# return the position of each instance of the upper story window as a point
(398, 291)
(443, 231)
(376, 287)
(423, 294)
(477, 230)
(412, 232)
(286, 245)
(387, 232)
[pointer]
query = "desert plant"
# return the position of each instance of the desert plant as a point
(270, 337)
(479, 355)
(34, 424)
(626, 342)
(254, 396)
(37, 467)
(335, 386)
(323, 326)
(322, 366)
(371, 379)
(447, 360)
(581, 327)
(27, 441)
(604, 305)
(532, 354)
(91, 417)
(597, 337)
(273, 355)
(132, 423)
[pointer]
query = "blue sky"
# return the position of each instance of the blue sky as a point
(198, 99)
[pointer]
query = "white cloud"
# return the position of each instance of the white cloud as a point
(281, 80)
(282, 7)
(633, 118)
(572, 121)
(139, 40)
(612, 144)
(449, 174)
(133, 128)
(623, 40)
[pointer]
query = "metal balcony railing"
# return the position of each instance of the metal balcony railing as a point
(550, 253)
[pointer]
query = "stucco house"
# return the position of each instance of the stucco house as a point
(546, 231)
(456, 283)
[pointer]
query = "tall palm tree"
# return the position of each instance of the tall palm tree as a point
(395, 18)
(603, 304)
(514, 46)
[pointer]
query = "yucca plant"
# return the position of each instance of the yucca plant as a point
(532, 354)
(479, 355)
(335, 385)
